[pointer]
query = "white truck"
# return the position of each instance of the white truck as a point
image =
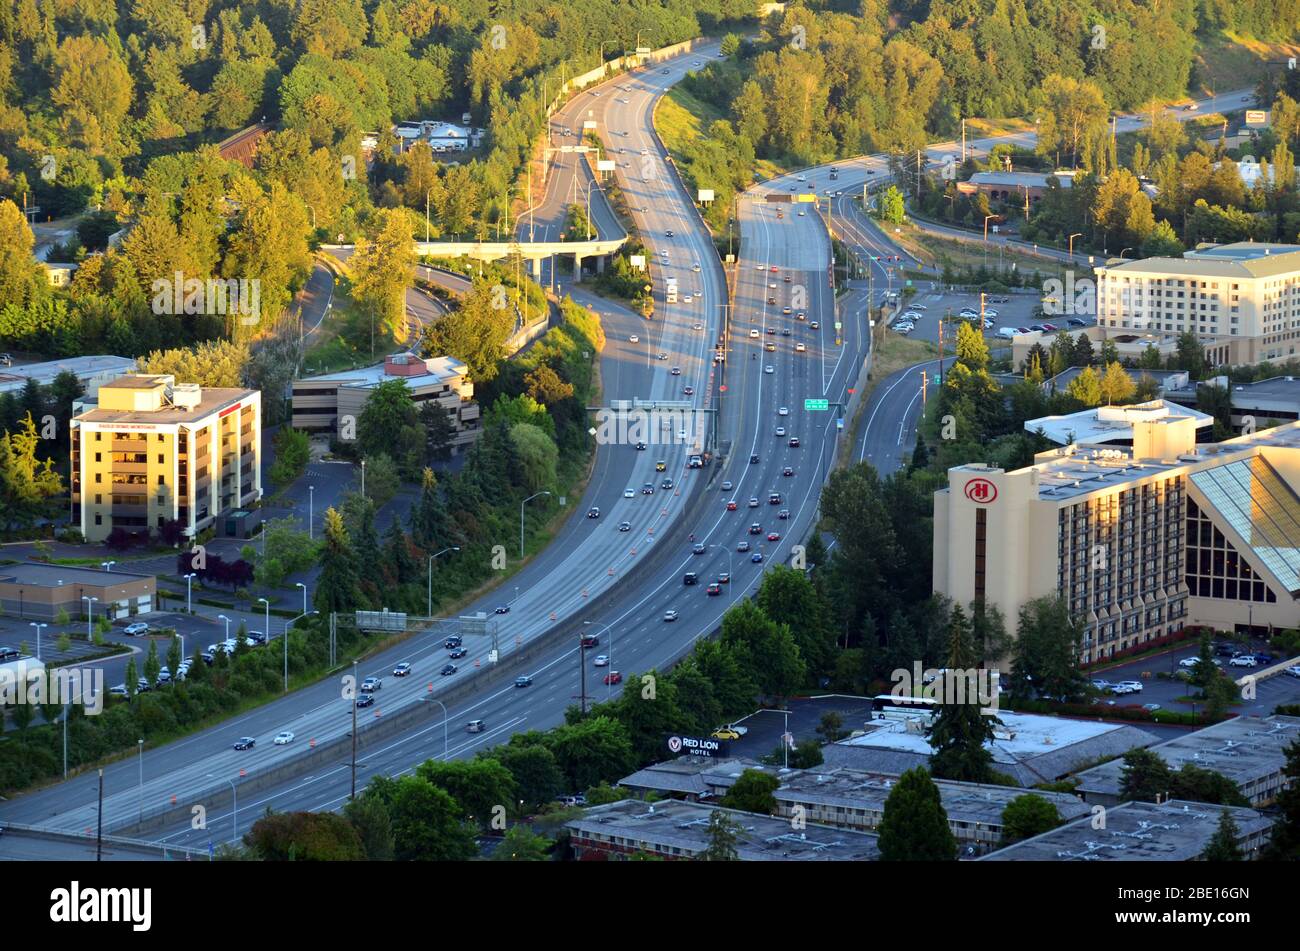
(670, 290)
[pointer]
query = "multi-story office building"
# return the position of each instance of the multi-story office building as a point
(1241, 300)
(153, 450)
(1140, 542)
(322, 403)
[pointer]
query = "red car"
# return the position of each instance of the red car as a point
(713, 589)
(774, 536)
(731, 506)
(613, 677)
(773, 269)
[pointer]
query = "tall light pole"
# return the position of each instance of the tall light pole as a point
(267, 630)
(1077, 234)
(363, 478)
(189, 592)
(222, 617)
(90, 613)
(1124, 252)
(444, 724)
(521, 520)
(431, 557)
(38, 637)
(311, 513)
(299, 584)
(107, 565)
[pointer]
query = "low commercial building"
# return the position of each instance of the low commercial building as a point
(92, 371)
(1165, 380)
(680, 830)
(320, 402)
(1013, 187)
(37, 591)
(153, 450)
(1173, 831)
(1112, 426)
(1140, 542)
(1248, 750)
(1242, 300)
(1027, 747)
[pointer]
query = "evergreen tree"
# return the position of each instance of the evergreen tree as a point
(397, 555)
(724, 832)
(151, 664)
(1285, 844)
(1144, 776)
(1222, 846)
(914, 827)
(920, 455)
(132, 676)
(337, 589)
(960, 730)
(174, 655)
(429, 517)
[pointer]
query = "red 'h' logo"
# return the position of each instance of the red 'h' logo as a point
(981, 490)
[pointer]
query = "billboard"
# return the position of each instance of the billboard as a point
(706, 194)
(1256, 117)
(589, 123)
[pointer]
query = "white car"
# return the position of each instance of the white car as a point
(769, 369)
(968, 312)
(799, 348)
(1243, 660)
(686, 298)
(695, 268)
(1129, 686)
(670, 616)
(601, 661)
(283, 738)
(753, 333)
(634, 339)
(1293, 671)
(780, 430)
(139, 627)
(783, 411)
(990, 312)
(628, 494)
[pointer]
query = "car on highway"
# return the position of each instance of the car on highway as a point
(634, 339)
(690, 578)
(371, 684)
(647, 489)
(771, 331)
(401, 670)
(800, 348)
(742, 547)
(770, 347)
(688, 391)
(787, 310)
(726, 485)
(593, 512)
(453, 640)
(755, 528)
(783, 515)
(640, 446)
(138, 628)
(788, 471)
(731, 505)
(625, 526)
(666, 484)
(774, 536)
(713, 589)
(771, 300)
(366, 700)
(660, 465)
(699, 548)
(245, 743)
(724, 577)
(676, 371)
(283, 738)
(783, 411)
(774, 498)
(601, 661)
(505, 608)
(670, 616)
(628, 494)
(456, 653)
(754, 332)
(523, 681)
(756, 558)
(785, 331)
(814, 325)
(753, 458)
(448, 670)
(613, 677)
(769, 369)
(794, 442)
(780, 431)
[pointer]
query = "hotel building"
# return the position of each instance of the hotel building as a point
(1242, 300)
(1141, 541)
(153, 450)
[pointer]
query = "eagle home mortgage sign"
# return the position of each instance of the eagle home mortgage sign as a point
(696, 746)
(981, 491)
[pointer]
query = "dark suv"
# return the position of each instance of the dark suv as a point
(690, 578)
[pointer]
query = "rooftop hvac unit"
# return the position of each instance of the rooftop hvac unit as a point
(186, 395)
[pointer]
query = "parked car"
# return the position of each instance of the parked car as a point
(1130, 686)
(138, 628)
(1243, 660)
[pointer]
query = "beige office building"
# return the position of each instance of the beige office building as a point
(154, 450)
(1241, 300)
(1140, 542)
(327, 403)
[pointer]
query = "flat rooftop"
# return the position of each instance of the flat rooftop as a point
(42, 575)
(1029, 747)
(16, 377)
(212, 399)
(1245, 260)
(1174, 831)
(441, 369)
(1106, 424)
(1018, 179)
(1244, 749)
(688, 775)
(1285, 388)
(685, 826)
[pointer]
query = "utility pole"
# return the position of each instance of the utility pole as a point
(582, 675)
(354, 733)
(963, 141)
(923, 382)
(99, 825)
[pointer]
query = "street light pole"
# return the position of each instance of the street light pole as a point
(363, 478)
(38, 637)
(267, 631)
(354, 734)
(311, 513)
(107, 565)
(222, 617)
(234, 793)
(299, 584)
(189, 591)
(431, 557)
(521, 520)
(90, 614)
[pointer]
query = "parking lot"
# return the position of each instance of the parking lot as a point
(1012, 310)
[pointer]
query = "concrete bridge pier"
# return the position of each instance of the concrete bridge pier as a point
(577, 267)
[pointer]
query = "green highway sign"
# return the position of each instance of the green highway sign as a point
(821, 405)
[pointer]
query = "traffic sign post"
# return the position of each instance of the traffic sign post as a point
(816, 405)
